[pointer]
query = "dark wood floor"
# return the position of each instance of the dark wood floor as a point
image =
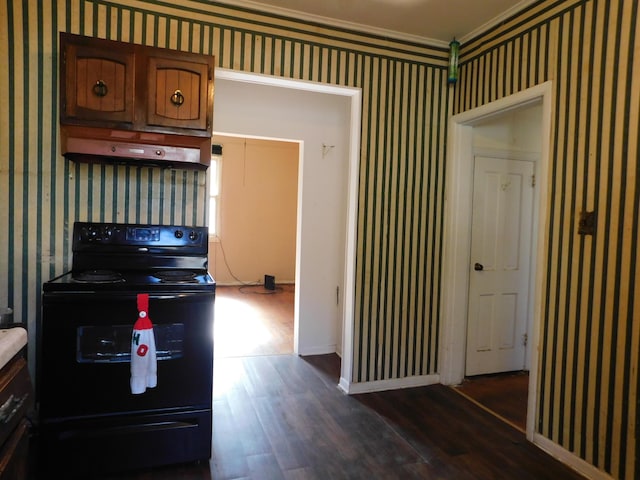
(504, 394)
(282, 417)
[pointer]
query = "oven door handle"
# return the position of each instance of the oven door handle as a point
(128, 296)
(131, 429)
(176, 296)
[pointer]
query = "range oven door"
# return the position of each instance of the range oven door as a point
(90, 422)
(83, 367)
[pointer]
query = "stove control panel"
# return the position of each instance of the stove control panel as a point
(114, 235)
(143, 234)
(95, 233)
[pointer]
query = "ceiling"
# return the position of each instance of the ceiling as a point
(436, 21)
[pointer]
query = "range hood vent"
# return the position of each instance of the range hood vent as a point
(87, 144)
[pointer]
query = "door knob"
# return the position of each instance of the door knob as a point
(177, 98)
(478, 267)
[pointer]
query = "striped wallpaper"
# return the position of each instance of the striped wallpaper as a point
(405, 107)
(588, 398)
(589, 357)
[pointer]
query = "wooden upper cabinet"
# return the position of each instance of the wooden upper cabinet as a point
(98, 84)
(177, 93)
(119, 85)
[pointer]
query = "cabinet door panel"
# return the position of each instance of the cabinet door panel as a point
(99, 85)
(178, 93)
(110, 79)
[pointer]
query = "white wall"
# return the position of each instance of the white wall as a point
(258, 198)
(518, 130)
(317, 120)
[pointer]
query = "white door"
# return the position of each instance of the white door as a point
(500, 263)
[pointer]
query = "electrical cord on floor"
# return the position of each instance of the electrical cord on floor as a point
(244, 285)
(265, 291)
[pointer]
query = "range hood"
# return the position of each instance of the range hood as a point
(88, 144)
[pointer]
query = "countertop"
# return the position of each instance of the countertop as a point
(11, 341)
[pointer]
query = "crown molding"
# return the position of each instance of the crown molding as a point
(332, 22)
(381, 32)
(519, 7)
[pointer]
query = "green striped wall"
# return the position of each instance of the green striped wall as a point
(588, 397)
(589, 357)
(41, 193)
(406, 103)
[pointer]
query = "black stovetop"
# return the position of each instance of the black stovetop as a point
(132, 281)
(136, 257)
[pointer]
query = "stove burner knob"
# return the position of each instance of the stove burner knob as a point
(193, 236)
(178, 234)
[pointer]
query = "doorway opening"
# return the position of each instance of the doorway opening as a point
(325, 120)
(251, 320)
(489, 131)
(252, 255)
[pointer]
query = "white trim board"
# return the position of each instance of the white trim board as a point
(457, 235)
(456, 254)
(391, 384)
(355, 100)
(569, 459)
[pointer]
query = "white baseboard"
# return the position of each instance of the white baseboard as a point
(343, 385)
(392, 384)
(569, 459)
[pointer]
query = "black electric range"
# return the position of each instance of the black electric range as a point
(90, 420)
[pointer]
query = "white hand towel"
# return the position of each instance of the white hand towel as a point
(143, 350)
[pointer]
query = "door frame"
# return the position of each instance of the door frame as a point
(354, 96)
(457, 235)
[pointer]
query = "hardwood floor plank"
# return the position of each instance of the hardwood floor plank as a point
(247, 426)
(228, 451)
(300, 474)
(265, 466)
(283, 437)
(506, 395)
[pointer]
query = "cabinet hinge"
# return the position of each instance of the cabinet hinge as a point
(337, 295)
(525, 339)
(533, 180)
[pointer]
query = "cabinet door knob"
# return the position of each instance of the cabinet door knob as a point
(100, 89)
(177, 98)
(478, 267)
